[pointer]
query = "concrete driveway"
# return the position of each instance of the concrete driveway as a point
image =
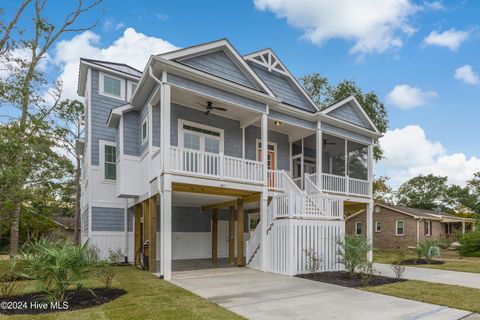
(258, 295)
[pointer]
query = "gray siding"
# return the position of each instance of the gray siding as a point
(107, 219)
(191, 219)
(130, 216)
(283, 88)
(283, 146)
(232, 131)
(100, 109)
(349, 114)
(85, 221)
(131, 138)
(117, 139)
(156, 125)
(275, 115)
(345, 133)
(219, 64)
(214, 92)
(142, 116)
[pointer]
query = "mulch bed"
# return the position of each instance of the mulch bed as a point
(34, 303)
(412, 262)
(340, 278)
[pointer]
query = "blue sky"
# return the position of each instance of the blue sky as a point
(435, 115)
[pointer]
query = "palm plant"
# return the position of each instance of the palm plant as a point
(427, 249)
(352, 253)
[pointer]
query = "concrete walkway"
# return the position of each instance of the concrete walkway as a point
(465, 279)
(257, 295)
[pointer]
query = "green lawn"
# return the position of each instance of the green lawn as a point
(452, 260)
(148, 298)
(436, 293)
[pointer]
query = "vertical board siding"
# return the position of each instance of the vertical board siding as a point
(107, 219)
(219, 64)
(131, 138)
(156, 125)
(252, 133)
(282, 87)
(100, 109)
(214, 92)
(232, 131)
(349, 114)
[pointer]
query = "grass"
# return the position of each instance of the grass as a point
(148, 298)
(436, 293)
(452, 260)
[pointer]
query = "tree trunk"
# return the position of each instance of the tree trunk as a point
(14, 221)
(77, 200)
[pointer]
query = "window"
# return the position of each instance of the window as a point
(145, 130)
(378, 227)
(399, 227)
(358, 228)
(112, 86)
(110, 162)
(427, 228)
(133, 87)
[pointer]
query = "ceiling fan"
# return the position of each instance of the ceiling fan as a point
(210, 107)
(326, 143)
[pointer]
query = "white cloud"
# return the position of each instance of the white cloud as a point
(373, 25)
(451, 39)
(466, 74)
(110, 23)
(408, 153)
(406, 97)
(133, 48)
(435, 5)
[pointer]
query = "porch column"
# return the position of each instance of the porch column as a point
(347, 183)
(214, 234)
(231, 235)
(370, 230)
(463, 227)
(152, 230)
(240, 259)
(319, 155)
(370, 169)
(264, 196)
(165, 184)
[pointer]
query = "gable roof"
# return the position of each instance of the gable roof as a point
(422, 213)
(227, 55)
(120, 67)
(350, 110)
(283, 84)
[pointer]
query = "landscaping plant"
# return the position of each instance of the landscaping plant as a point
(427, 249)
(396, 264)
(116, 256)
(352, 253)
(106, 273)
(8, 284)
(56, 265)
(470, 244)
(314, 261)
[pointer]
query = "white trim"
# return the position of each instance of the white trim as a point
(129, 88)
(274, 144)
(378, 226)
(429, 228)
(145, 121)
(182, 122)
(101, 91)
(102, 144)
(356, 228)
(396, 228)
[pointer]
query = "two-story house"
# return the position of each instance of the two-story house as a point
(211, 154)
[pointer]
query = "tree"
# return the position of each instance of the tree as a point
(25, 88)
(474, 186)
(382, 192)
(324, 94)
(423, 192)
(69, 118)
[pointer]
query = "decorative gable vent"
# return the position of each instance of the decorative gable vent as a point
(268, 60)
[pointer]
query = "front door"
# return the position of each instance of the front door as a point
(271, 159)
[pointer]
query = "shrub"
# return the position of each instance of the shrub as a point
(352, 253)
(8, 284)
(470, 244)
(396, 264)
(56, 265)
(427, 249)
(106, 273)
(116, 257)
(314, 261)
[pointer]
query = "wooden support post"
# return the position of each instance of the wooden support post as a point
(240, 258)
(146, 224)
(214, 235)
(152, 249)
(138, 239)
(231, 235)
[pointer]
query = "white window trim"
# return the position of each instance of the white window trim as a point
(182, 122)
(257, 147)
(101, 86)
(129, 88)
(144, 139)
(102, 144)
(356, 228)
(429, 224)
(377, 225)
(396, 228)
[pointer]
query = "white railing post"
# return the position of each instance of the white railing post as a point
(291, 205)
(221, 165)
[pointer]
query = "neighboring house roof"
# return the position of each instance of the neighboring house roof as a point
(64, 222)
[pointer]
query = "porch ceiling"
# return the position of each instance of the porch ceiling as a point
(294, 132)
(189, 99)
(197, 199)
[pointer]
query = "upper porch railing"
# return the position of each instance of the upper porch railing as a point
(343, 185)
(215, 165)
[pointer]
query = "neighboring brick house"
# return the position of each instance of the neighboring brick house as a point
(396, 227)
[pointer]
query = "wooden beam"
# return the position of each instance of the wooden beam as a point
(146, 224)
(240, 258)
(192, 188)
(252, 197)
(231, 235)
(152, 249)
(214, 235)
(138, 240)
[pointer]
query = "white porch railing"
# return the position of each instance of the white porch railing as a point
(253, 244)
(301, 205)
(279, 180)
(341, 184)
(215, 165)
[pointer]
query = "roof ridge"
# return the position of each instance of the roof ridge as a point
(111, 62)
